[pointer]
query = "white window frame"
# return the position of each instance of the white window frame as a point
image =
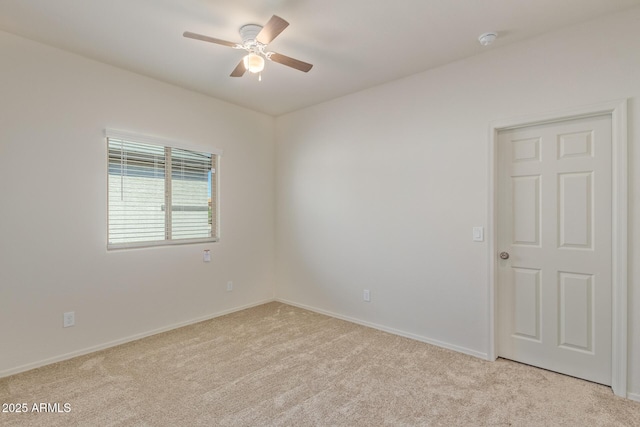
(166, 143)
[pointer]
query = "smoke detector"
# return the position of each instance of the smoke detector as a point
(487, 38)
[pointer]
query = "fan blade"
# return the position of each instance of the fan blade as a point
(290, 62)
(208, 39)
(270, 31)
(239, 70)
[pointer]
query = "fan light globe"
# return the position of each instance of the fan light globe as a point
(254, 63)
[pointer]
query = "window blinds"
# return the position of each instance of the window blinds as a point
(144, 179)
(191, 174)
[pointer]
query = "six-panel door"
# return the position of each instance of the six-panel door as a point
(554, 220)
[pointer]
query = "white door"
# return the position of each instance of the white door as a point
(554, 222)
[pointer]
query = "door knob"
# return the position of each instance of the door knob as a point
(504, 255)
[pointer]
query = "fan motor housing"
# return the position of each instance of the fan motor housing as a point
(249, 32)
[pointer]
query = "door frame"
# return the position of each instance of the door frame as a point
(618, 112)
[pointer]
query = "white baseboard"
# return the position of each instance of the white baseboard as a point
(71, 355)
(421, 338)
(633, 396)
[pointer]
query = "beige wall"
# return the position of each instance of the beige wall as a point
(54, 107)
(380, 190)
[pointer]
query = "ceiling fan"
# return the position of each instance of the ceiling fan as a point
(255, 39)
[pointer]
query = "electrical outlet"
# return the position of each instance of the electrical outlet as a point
(68, 319)
(229, 286)
(366, 295)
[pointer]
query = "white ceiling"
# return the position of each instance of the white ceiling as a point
(353, 44)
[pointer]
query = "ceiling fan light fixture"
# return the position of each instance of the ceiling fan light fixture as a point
(255, 39)
(254, 63)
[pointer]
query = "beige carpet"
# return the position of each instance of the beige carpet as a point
(280, 365)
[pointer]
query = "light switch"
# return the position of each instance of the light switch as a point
(478, 234)
(207, 255)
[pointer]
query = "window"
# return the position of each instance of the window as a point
(159, 195)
